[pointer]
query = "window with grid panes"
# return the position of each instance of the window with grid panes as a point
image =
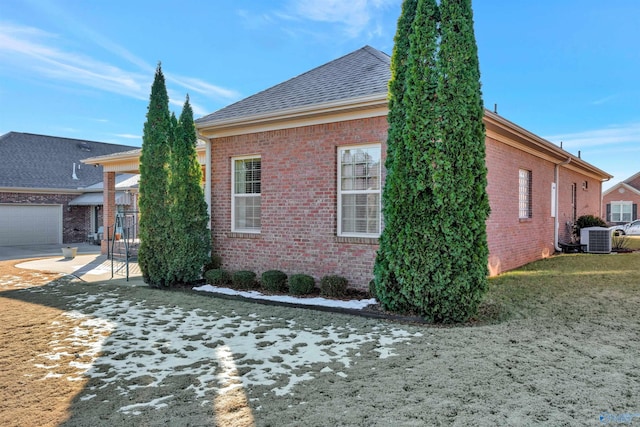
(524, 194)
(621, 211)
(246, 184)
(359, 169)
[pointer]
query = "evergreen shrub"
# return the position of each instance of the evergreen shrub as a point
(274, 281)
(333, 286)
(433, 253)
(301, 284)
(244, 280)
(218, 277)
(586, 221)
(590, 221)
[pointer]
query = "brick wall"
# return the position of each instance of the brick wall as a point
(298, 231)
(514, 242)
(76, 220)
(299, 203)
(588, 191)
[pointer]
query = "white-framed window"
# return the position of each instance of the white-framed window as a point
(524, 194)
(246, 180)
(621, 211)
(359, 171)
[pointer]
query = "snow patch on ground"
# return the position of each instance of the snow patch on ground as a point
(132, 347)
(353, 304)
(81, 343)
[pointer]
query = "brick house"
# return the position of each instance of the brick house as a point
(620, 202)
(297, 171)
(42, 182)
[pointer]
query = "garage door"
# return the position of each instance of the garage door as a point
(30, 224)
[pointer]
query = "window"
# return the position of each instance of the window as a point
(359, 191)
(245, 202)
(524, 194)
(621, 211)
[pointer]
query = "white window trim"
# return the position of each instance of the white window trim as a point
(340, 191)
(234, 195)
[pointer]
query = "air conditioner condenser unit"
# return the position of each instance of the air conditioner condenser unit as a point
(597, 239)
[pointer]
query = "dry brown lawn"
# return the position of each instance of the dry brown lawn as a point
(557, 345)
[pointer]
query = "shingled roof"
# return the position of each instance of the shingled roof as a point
(361, 73)
(40, 161)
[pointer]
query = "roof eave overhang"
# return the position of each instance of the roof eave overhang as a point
(354, 108)
(121, 163)
(129, 162)
(509, 133)
(41, 190)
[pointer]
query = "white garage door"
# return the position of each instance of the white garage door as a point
(30, 224)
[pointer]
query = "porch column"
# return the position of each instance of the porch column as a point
(108, 207)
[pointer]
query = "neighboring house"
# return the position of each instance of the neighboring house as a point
(296, 173)
(621, 201)
(42, 181)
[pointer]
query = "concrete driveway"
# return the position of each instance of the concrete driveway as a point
(88, 265)
(38, 251)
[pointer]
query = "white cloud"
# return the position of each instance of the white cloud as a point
(356, 18)
(128, 136)
(200, 86)
(604, 100)
(28, 50)
(615, 134)
(354, 15)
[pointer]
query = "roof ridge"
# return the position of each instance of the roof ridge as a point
(632, 178)
(375, 52)
(361, 72)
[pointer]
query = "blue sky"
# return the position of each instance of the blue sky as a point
(566, 70)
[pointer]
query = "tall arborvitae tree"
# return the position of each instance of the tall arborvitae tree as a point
(390, 274)
(153, 187)
(462, 175)
(434, 186)
(189, 217)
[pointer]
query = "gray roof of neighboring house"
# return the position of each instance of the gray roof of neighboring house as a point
(363, 72)
(41, 161)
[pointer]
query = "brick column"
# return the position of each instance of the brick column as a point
(108, 207)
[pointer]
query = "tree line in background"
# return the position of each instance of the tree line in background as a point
(433, 252)
(174, 237)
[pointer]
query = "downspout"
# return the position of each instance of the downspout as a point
(556, 221)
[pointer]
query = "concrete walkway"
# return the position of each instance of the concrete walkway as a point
(90, 268)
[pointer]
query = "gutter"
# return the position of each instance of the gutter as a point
(42, 190)
(556, 223)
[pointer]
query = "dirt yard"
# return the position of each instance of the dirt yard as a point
(79, 354)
